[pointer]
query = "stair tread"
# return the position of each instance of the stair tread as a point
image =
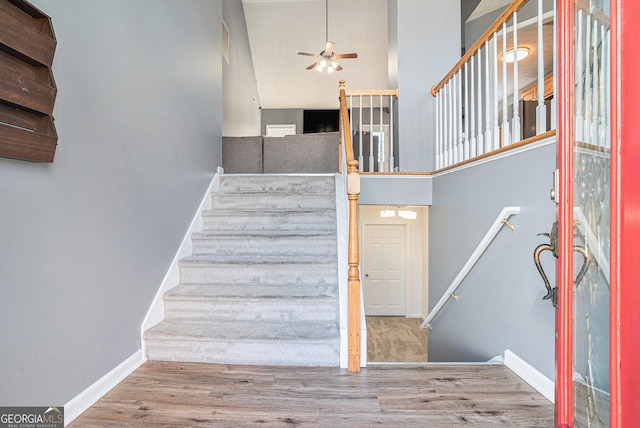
(251, 292)
(243, 331)
(268, 234)
(207, 259)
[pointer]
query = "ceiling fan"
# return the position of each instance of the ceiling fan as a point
(327, 58)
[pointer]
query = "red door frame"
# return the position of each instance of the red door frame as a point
(625, 215)
(564, 272)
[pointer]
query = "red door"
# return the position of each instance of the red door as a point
(598, 319)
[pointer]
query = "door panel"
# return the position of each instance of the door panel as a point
(384, 265)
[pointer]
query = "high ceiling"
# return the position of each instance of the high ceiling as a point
(279, 29)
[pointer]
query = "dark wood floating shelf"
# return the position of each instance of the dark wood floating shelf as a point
(27, 87)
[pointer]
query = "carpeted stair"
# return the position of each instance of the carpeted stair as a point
(262, 284)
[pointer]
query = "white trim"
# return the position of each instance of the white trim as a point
(87, 398)
(501, 155)
(530, 374)
(155, 314)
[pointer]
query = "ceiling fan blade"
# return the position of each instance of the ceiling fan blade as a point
(329, 48)
(307, 54)
(338, 67)
(314, 65)
(346, 56)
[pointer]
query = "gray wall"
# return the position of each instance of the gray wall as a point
(87, 240)
(283, 116)
(241, 114)
(428, 43)
(500, 304)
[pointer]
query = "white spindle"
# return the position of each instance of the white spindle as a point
(465, 144)
(515, 126)
(372, 165)
(454, 118)
(488, 138)
(472, 111)
(541, 109)
(607, 82)
(480, 148)
(496, 125)
(579, 46)
(596, 84)
(451, 128)
(438, 136)
(595, 102)
(460, 150)
(392, 159)
(506, 134)
(360, 143)
(445, 126)
(382, 154)
(588, 43)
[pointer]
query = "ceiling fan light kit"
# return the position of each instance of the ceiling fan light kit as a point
(327, 58)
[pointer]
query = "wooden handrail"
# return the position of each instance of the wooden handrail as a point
(515, 6)
(353, 191)
(369, 92)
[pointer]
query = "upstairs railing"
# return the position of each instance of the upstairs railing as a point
(349, 162)
(371, 126)
(487, 102)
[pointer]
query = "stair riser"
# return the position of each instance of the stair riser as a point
(263, 310)
(250, 353)
(298, 246)
(264, 274)
(283, 223)
(269, 201)
(277, 184)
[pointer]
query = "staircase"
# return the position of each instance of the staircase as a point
(262, 284)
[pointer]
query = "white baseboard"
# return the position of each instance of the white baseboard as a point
(155, 314)
(87, 398)
(530, 374)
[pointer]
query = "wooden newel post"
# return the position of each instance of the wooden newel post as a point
(353, 191)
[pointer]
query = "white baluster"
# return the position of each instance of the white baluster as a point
(480, 149)
(496, 125)
(506, 134)
(579, 46)
(465, 144)
(588, 42)
(454, 120)
(438, 136)
(360, 143)
(450, 159)
(516, 132)
(607, 82)
(445, 127)
(382, 155)
(488, 137)
(595, 102)
(541, 109)
(392, 159)
(472, 111)
(460, 150)
(372, 164)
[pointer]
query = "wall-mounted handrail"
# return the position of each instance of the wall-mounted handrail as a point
(353, 191)
(499, 222)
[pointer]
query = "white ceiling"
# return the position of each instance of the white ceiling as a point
(279, 29)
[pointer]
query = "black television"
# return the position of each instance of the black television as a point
(320, 121)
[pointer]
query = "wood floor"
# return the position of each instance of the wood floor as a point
(161, 394)
(396, 339)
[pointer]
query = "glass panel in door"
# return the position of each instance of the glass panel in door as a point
(590, 359)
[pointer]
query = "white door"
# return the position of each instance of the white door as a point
(384, 265)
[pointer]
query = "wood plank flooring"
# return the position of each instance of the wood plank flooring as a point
(163, 394)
